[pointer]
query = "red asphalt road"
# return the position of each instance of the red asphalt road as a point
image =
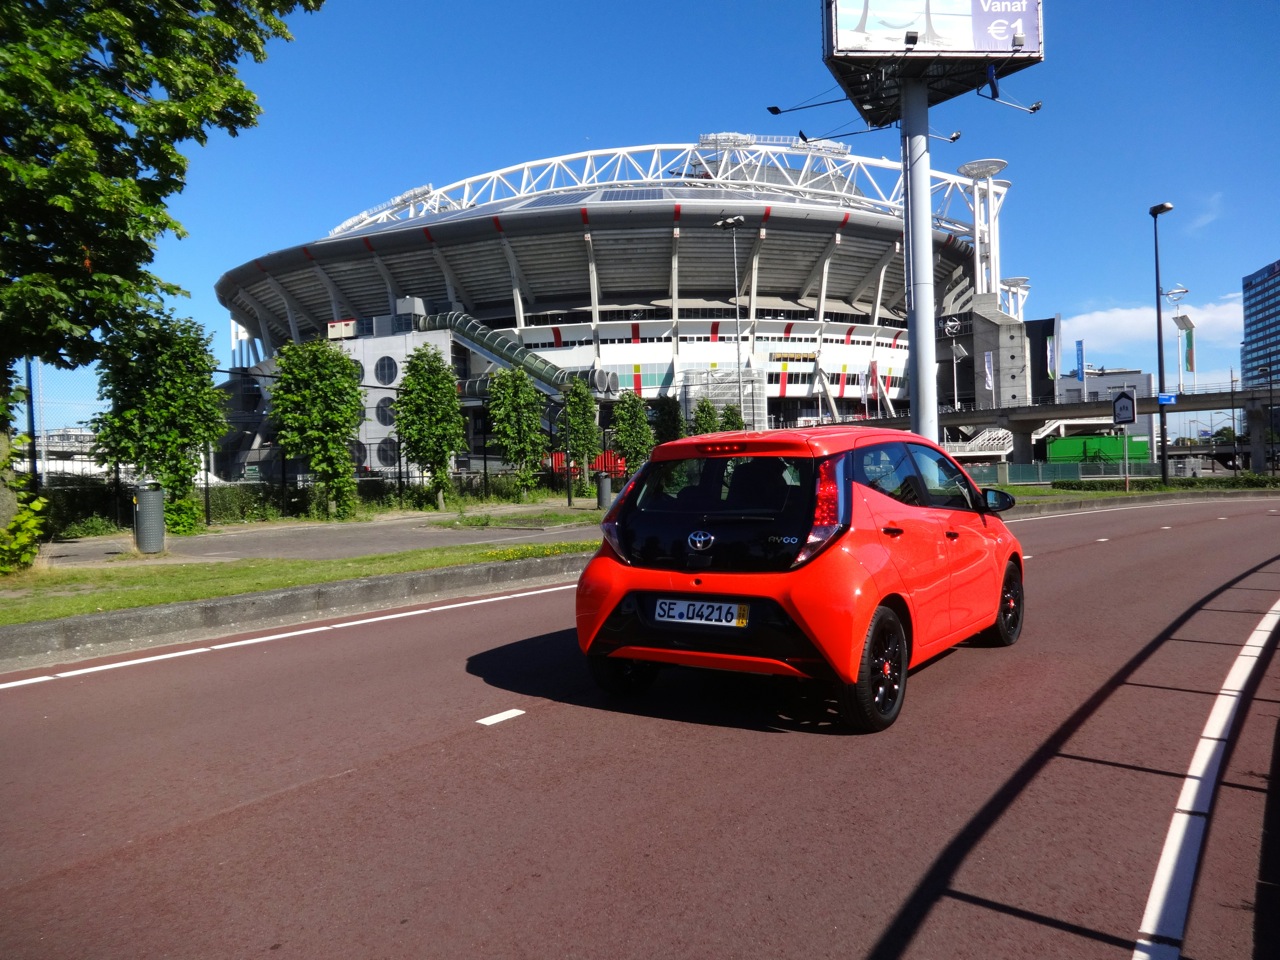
(331, 794)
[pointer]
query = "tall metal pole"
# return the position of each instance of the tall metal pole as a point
(1235, 437)
(917, 220)
(731, 224)
(737, 320)
(32, 456)
(1164, 425)
(1270, 422)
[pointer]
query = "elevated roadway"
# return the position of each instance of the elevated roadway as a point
(1024, 421)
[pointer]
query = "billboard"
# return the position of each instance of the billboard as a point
(956, 27)
(954, 46)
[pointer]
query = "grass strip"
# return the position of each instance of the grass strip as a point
(50, 593)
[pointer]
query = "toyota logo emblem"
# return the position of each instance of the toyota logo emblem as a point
(701, 541)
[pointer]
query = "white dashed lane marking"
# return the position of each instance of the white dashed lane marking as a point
(499, 717)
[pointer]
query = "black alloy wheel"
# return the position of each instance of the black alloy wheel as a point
(1008, 626)
(873, 702)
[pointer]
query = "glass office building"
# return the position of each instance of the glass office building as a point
(1260, 352)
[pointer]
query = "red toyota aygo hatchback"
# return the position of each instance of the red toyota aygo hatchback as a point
(841, 554)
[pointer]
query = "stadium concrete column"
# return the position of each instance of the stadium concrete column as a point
(917, 217)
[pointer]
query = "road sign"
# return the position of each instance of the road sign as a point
(1168, 398)
(1124, 409)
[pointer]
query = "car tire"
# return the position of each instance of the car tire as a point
(622, 678)
(1009, 615)
(873, 702)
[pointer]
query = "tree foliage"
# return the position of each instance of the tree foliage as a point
(317, 404)
(96, 99)
(163, 407)
(632, 437)
(731, 418)
(20, 535)
(668, 421)
(515, 411)
(579, 433)
(705, 418)
(429, 418)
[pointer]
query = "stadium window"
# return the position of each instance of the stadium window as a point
(388, 452)
(385, 370)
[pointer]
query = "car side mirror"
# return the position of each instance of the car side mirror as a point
(997, 500)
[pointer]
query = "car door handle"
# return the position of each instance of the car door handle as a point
(952, 535)
(892, 531)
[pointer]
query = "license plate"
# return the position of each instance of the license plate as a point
(699, 611)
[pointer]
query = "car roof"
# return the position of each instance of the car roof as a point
(815, 441)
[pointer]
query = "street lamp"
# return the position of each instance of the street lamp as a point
(1271, 415)
(731, 224)
(1155, 212)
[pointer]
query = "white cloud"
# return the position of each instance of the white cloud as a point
(1127, 330)
(1125, 337)
(1212, 209)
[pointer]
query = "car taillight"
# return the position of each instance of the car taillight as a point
(830, 509)
(609, 525)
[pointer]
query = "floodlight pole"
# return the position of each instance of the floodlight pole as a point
(917, 218)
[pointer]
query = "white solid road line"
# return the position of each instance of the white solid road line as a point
(361, 621)
(1165, 919)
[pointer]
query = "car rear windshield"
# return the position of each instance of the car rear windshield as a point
(758, 511)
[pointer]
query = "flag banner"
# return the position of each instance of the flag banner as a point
(1080, 360)
(1191, 351)
(990, 382)
(1051, 358)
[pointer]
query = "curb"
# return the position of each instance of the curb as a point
(198, 619)
(1032, 509)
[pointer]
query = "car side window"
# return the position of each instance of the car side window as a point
(887, 468)
(945, 482)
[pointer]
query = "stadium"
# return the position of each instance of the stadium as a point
(765, 272)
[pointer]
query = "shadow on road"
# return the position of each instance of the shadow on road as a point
(551, 667)
(936, 884)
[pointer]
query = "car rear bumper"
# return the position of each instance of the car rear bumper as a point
(807, 622)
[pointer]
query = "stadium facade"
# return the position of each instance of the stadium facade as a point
(765, 271)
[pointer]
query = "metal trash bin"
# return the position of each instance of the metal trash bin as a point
(604, 491)
(148, 517)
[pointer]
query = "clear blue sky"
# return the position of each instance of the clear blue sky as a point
(1144, 102)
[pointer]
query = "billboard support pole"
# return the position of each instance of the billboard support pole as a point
(917, 217)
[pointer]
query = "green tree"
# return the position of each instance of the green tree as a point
(731, 418)
(163, 407)
(705, 419)
(96, 99)
(668, 421)
(579, 431)
(20, 534)
(632, 436)
(317, 404)
(429, 417)
(515, 411)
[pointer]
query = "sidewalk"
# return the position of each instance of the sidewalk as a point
(33, 645)
(297, 539)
